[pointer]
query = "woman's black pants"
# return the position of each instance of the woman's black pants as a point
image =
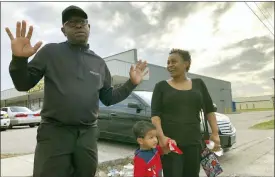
(185, 165)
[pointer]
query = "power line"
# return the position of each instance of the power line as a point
(264, 15)
(267, 12)
(259, 18)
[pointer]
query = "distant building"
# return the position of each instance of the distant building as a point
(256, 102)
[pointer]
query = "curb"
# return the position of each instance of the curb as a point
(13, 155)
(115, 162)
(233, 113)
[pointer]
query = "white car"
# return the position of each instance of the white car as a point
(20, 115)
(37, 112)
(5, 121)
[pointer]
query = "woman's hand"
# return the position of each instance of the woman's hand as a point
(216, 139)
(163, 142)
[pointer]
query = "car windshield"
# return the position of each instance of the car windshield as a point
(146, 96)
(20, 109)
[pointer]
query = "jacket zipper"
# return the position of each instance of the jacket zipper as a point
(80, 70)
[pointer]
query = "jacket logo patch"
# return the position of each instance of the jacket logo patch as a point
(94, 73)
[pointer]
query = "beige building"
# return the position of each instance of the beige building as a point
(256, 102)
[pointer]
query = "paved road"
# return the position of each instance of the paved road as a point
(252, 155)
(23, 140)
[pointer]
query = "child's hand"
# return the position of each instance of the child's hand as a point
(163, 142)
(173, 142)
(173, 147)
(165, 150)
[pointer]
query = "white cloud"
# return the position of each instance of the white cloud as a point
(240, 23)
(269, 66)
(110, 26)
(151, 9)
(125, 42)
(117, 20)
(60, 6)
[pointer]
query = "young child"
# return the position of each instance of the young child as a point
(147, 162)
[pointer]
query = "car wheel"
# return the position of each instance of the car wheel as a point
(10, 126)
(3, 129)
(32, 125)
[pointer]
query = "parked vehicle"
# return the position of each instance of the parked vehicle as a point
(5, 121)
(37, 112)
(21, 116)
(116, 121)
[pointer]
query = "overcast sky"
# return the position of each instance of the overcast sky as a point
(226, 39)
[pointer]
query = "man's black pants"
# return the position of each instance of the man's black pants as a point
(65, 151)
(185, 165)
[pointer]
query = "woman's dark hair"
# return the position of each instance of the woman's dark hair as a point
(185, 55)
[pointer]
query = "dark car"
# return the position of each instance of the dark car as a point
(116, 121)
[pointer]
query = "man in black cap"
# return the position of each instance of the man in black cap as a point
(75, 79)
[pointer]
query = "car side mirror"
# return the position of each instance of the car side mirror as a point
(135, 105)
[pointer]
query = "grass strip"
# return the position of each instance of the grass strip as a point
(267, 125)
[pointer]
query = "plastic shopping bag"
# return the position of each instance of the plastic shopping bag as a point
(210, 163)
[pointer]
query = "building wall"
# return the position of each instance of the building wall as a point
(219, 90)
(254, 105)
(127, 56)
(121, 68)
(14, 103)
(11, 93)
(36, 104)
(157, 73)
(256, 102)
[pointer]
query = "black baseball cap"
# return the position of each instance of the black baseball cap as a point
(73, 11)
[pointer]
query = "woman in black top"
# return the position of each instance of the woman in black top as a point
(176, 106)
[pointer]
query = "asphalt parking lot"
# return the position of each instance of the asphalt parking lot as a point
(252, 155)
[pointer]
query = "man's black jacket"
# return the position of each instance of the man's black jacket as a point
(75, 79)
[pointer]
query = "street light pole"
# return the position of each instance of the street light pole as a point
(273, 90)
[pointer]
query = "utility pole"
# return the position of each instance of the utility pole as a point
(273, 91)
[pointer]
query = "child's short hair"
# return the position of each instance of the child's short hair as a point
(141, 128)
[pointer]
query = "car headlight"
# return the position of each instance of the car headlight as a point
(6, 116)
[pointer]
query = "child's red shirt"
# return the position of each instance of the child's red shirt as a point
(147, 163)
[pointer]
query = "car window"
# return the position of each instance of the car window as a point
(124, 103)
(100, 104)
(4, 109)
(20, 109)
(146, 96)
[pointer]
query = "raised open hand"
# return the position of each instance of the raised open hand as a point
(21, 45)
(137, 73)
